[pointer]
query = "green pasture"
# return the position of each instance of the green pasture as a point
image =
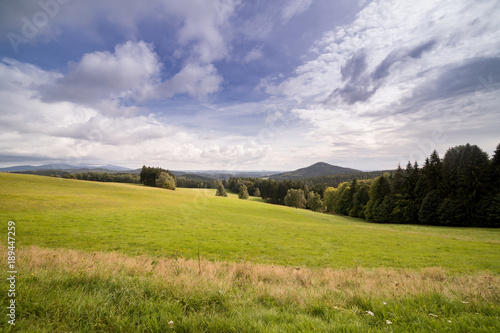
(133, 219)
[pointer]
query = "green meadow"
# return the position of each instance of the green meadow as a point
(186, 260)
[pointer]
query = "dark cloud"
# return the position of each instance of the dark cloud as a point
(419, 50)
(401, 55)
(354, 68)
(360, 84)
(475, 75)
(357, 87)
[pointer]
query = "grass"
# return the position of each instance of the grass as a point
(100, 257)
(73, 291)
(138, 220)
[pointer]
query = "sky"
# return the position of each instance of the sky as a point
(246, 84)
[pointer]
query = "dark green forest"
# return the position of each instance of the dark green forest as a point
(461, 189)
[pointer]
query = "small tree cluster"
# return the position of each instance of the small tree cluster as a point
(295, 198)
(157, 177)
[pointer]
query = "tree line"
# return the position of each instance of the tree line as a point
(105, 177)
(461, 189)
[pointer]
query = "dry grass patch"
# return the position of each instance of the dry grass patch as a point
(284, 284)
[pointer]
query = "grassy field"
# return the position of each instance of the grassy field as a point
(119, 257)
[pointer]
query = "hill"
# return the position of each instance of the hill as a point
(316, 170)
(65, 167)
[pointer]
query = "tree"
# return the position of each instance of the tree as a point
(243, 193)
(428, 213)
(314, 202)
(378, 191)
(166, 181)
(221, 191)
(360, 200)
(329, 198)
(256, 193)
(295, 198)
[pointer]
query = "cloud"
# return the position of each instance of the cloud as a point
(194, 79)
(294, 7)
(254, 54)
(103, 75)
(389, 76)
(72, 132)
(235, 155)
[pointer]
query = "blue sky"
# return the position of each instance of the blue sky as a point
(246, 85)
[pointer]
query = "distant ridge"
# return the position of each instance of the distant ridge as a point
(316, 170)
(21, 168)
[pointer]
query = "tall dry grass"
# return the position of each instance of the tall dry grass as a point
(280, 285)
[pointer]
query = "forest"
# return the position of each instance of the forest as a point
(460, 189)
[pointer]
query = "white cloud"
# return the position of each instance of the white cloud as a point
(382, 80)
(75, 133)
(253, 55)
(194, 79)
(99, 75)
(294, 7)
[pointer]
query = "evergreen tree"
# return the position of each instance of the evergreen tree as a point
(256, 193)
(378, 191)
(428, 213)
(221, 191)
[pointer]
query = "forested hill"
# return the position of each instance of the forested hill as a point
(315, 170)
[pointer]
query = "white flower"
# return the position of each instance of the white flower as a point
(370, 313)
(388, 322)
(432, 315)
(170, 322)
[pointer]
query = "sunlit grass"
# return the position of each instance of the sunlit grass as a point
(139, 220)
(67, 290)
(97, 257)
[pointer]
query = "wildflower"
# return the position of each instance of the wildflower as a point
(388, 322)
(171, 322)
(432, 315)
(385, 303)
(370, 313)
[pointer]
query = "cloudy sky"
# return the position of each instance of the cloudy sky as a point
(246, 84)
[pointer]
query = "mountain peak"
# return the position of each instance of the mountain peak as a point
(316, 170)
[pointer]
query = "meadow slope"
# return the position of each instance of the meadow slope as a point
(105, 257)
(132, 219)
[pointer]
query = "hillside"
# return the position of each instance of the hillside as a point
(109, 257)
(135, 219)
(316, 170)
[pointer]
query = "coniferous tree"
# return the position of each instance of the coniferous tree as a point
(221, 191)
(378, 191)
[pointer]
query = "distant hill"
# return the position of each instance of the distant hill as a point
(315, 170)
(67, 167)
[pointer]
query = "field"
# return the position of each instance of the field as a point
(118, 257)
